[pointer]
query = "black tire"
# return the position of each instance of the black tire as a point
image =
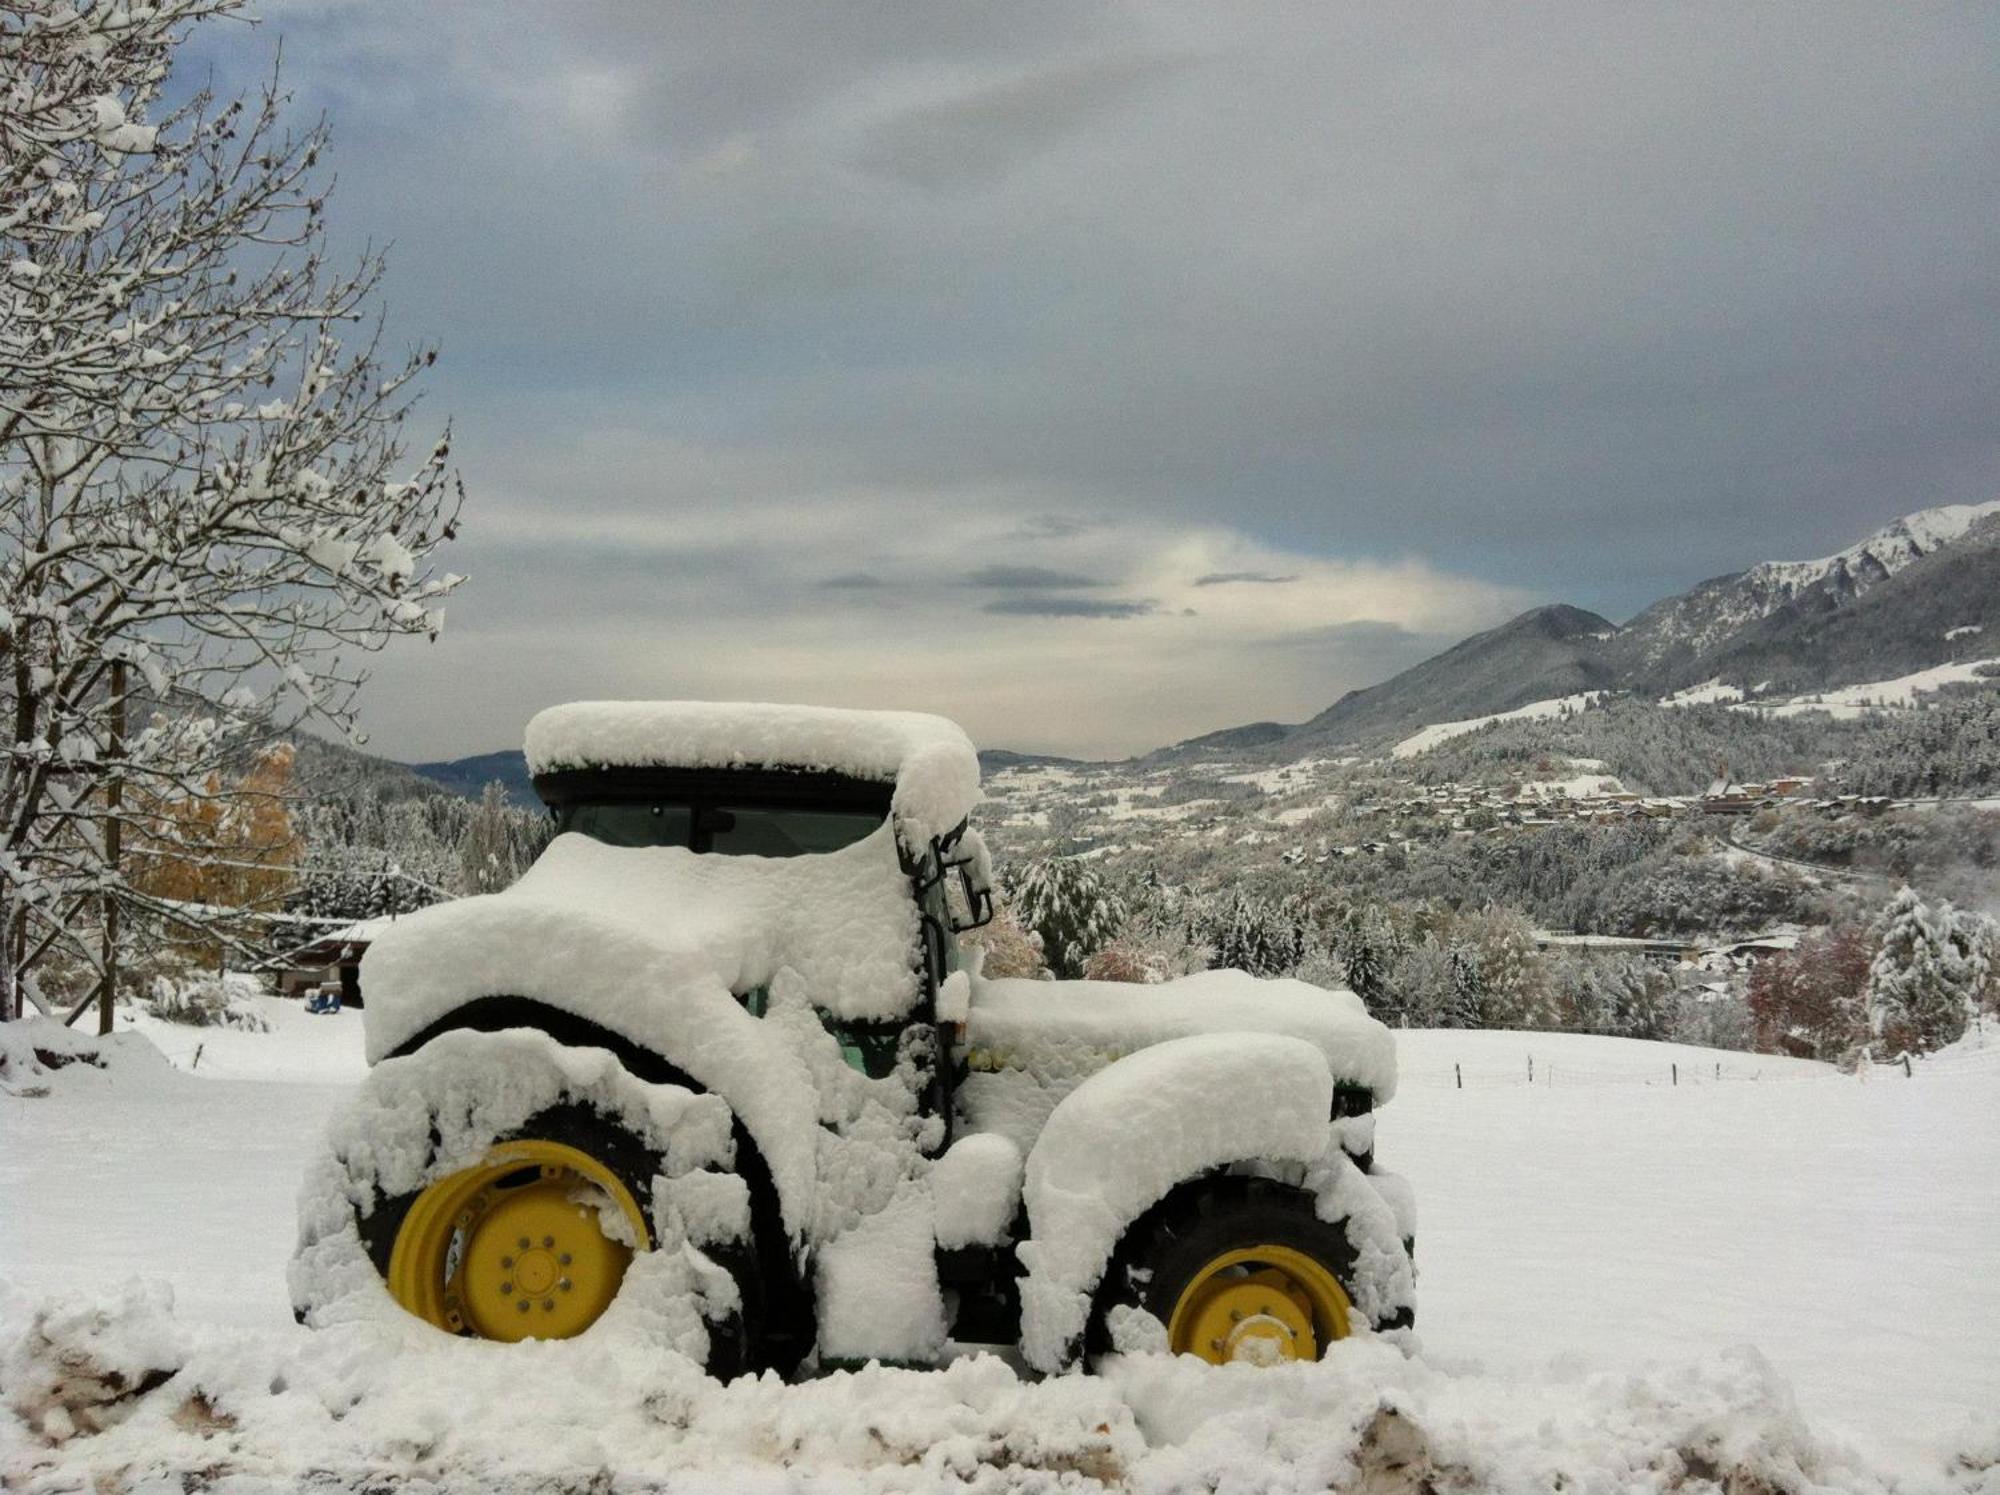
(784, 1323)
(1169, 1245)
(731, 1339)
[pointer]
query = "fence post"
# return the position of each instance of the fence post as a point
(1459, 1075)
(1906, 1065)
(1531, 1069)
(195, 1063)
(1677, 1074)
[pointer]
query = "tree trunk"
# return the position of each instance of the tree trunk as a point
(114, 801)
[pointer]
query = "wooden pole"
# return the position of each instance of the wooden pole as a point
(114, 801)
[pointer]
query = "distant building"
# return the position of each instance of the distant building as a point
(333, 959)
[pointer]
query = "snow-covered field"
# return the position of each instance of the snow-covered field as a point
(1440, 732)
(1628, 1283)
(1901, 692)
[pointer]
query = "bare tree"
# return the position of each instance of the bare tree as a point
(207, 509)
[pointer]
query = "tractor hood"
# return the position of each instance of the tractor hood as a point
(658, 944)
(1060, 1032)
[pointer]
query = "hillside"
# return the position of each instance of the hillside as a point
(327, 768)
(1920, 592)
(1777, 603)
(1547, 653)
(470, 776)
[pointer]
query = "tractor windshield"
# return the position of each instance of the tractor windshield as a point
(730, 830)
(731, 813)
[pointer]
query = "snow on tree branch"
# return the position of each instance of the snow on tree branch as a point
(207, 483)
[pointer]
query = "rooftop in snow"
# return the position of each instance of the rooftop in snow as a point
(929, 760)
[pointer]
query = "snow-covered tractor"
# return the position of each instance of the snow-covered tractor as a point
(715, 1069)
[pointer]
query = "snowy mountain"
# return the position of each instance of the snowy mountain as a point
(1548, 653)
(1916, 594)
(1711, 616)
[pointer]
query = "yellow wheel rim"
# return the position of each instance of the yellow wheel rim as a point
(516, 1247)
(1262, 1305)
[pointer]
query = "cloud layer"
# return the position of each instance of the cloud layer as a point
(1104, 374)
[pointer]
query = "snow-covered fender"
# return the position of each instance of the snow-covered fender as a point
(1123, 1139)
(446, 967)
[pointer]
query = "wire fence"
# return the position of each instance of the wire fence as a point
(1696, 1073)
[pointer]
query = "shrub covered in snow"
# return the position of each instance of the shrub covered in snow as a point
(1005, 948)
(208, 1000)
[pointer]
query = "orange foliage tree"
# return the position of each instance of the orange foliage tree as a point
(231, 846)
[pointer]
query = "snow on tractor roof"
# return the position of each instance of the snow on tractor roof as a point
(929, 760)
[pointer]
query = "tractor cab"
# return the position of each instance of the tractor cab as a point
(783, 810)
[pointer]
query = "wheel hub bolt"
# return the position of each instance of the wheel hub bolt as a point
(506, 1287)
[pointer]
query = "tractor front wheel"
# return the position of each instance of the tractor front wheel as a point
(1240, 1271)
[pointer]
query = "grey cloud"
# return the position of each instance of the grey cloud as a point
(1071, 607)
(853, 581)
(1589, 301)
(1374, 631)
(965, 141)
(1029, 579)
(1054, 526)
(1371, 649)
(1223, 578)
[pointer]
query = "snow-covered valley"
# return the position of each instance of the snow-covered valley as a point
(1647, 1266)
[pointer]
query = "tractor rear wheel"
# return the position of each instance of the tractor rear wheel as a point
(1240, 1270)
(535, 1238)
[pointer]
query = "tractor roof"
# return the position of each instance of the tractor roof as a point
(928, 759)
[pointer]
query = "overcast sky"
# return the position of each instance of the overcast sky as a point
(1103, 374)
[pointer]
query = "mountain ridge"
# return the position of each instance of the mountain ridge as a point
(1888, 605)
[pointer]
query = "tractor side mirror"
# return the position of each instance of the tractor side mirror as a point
(966, 869)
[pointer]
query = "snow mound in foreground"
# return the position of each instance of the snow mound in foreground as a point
(38, 1054)
(364, 1405)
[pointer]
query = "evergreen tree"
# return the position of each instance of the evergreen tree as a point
(1065, 902)
(1468, 988)
(1367, 950)
(1925, 976)
(491, 852)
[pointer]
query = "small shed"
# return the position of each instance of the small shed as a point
(332, 959)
